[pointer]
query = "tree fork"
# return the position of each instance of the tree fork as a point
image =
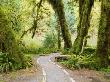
(85, 8)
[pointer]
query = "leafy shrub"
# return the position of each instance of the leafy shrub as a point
(8, 63)
(106, 69)
(5, 63)
(89, 51)
(88, 62)
(65, 51)
(30, 50)
(44, 50)
(71, 63)
(50, 41)
(27, 61)
(78, 62)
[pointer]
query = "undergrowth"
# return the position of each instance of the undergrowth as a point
(8, 63)
(85, 60)
(79, 62)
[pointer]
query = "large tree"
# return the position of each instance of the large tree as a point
(85, 7)
(58, 6)
(103, 43)
(59, 35)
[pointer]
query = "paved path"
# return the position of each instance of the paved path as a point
(53, 72)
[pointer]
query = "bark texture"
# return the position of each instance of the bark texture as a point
(85, 7)
(103, 44)
(58, 6)
(59, 37)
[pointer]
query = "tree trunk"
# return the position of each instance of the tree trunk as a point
(103, 43)
(84, 45)
(85, 8)
(59, 38)
(58, 6)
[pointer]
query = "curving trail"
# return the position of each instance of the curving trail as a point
(53, 72)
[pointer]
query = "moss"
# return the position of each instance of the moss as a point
(85, 8)
(58, 6)
(103, 43)
(9, 45)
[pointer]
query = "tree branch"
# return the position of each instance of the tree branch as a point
(36, 20)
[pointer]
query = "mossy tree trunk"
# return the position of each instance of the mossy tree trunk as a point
(58, 6)
(103, 43)
(85, 7)
(59, 35)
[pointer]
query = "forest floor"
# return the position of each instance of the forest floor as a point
(35, 75)
(24, 75)
(85, 75)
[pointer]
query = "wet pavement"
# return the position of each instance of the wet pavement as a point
(51, 71)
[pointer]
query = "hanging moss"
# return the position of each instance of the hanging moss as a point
(9, 46)
(58, 6)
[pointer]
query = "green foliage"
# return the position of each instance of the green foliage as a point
(27, 61)
(88, 51)
(50, 41)
(106, 69)
(29, 50)
(66, 51)
(50, 44)
(11, 56)
(86, 60)
(78, 62)
(17, 16)
(46, 50)
(8, 63)
(5, 63)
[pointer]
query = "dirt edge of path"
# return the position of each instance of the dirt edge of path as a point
(24, 75)
(86, 75)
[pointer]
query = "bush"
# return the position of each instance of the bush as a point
(65, 51)
(5, 63)
(89, 51)
(50, 41)
(30, 50)
(71, 63)
(106, 69)
(8, 63)
(44, 50)
(78, 62)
